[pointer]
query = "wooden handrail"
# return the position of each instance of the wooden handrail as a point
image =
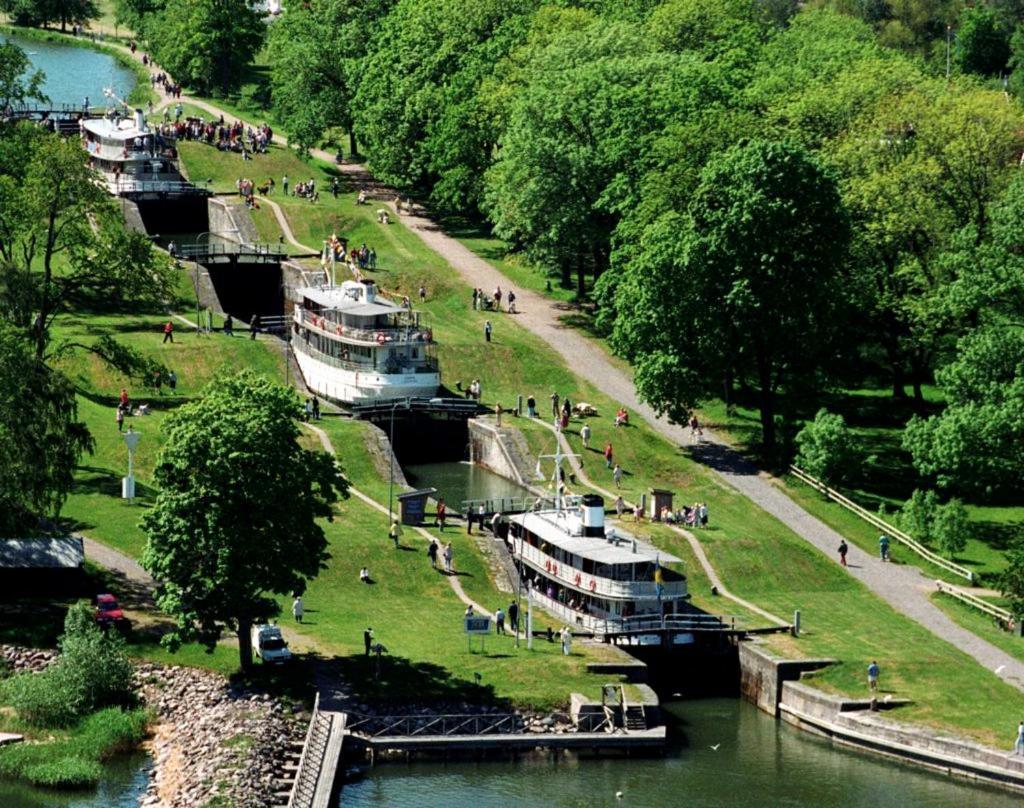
(973, 600)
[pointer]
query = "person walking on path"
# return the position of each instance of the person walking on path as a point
(499, 621)
(447, 555)
(229, 326)
(511, 302)
(432, 553)
(554, 406)
(513, 617)
(119, 417)
(297, 608)
(395, 533)
(585, 435)
(316, 408)
(883, 547)
(609, 454)
(442, 514)
(172, 380)
(873, 676)
(487, 330)
(620, 506)
(169, 332)
(367, 640)
(476, 299)
(254, 326)
(531, 407)
(284, 184)
(1018, 746)
(566, 637)
(843, 550)
(617, 475)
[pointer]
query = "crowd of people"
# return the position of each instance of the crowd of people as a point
(232, 137)
(483, 302)
(161, 79)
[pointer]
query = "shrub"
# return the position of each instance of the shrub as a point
(917, 516)
(92, 671)
(826, 448)
(950, 527)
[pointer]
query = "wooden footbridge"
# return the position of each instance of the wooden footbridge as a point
(231, 253)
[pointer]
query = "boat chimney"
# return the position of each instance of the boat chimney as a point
(369, 291)
(140, 120)
(593, 515)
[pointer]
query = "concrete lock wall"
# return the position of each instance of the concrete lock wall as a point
(228, 219)
(762, 675)
(502, 451)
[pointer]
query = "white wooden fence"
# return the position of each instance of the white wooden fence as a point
(973, 600)
(881, 524)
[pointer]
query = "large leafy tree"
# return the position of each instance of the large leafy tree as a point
(420, 109)
(44, 12)
(747, 279)
(312, 85)
(62, 242)
(207, 43)
(235, 522)
(41, 438)
(982, 43)
(18, 83)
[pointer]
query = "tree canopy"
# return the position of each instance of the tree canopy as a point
(18, 83)
(235, 524)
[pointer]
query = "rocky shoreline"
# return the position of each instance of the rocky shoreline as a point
(210, 738)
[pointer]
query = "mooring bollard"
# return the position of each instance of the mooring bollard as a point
(796, 623)
(519, 405)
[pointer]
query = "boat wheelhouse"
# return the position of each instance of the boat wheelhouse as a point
(599, 578)
(133, 159)
(354, 346)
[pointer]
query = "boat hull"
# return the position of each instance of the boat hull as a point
(360, 387)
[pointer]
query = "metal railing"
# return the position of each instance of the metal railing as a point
(126, 186)
(973, 600)
(881, 524)
(590, 583)
(426, 364)
(410, 726)
(384, 335)
(307, 778)
(191, 251)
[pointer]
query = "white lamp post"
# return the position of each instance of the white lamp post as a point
(131, 439)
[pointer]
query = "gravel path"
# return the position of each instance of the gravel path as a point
(903, 587)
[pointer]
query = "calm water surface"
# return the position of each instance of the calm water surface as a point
(759, 762)
(458, 481)
(124, 782)
(73, 73)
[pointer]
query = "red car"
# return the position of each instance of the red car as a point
(108, 612)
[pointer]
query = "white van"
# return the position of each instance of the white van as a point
(269, 645)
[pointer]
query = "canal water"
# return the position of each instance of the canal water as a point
(460, 481)
(758, 762)
(74, 73)
(125, 778)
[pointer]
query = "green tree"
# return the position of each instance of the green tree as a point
(1011, 579)
(44, 12)
(950, 527)
(313, 86)
(62, 241)
(134, 13)
(749, 279)
(41, 438)
(18, 83)
(826, 448)
(235, 523)
(976, 444)
(208, 43)
(917, 515)
(982, 44)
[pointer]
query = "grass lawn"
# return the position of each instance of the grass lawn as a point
(981, 624)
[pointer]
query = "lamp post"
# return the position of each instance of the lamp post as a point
(199, 325)
(131, 439)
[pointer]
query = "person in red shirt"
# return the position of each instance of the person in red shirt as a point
(608, 454)
(168, 331)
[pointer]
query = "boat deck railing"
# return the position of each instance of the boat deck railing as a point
(385, 365)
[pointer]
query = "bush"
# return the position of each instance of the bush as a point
(92, 671)
(826, 448)
(917, 516)
(950, 527)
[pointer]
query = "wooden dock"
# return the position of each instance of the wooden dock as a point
(315, 780)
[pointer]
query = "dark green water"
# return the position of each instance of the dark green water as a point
(74, 73)
(125, 780)
(458, 481)
(759, 762)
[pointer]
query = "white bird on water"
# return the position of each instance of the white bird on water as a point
(1000, 669)
(715, 747)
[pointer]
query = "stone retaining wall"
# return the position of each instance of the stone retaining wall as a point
(503, 451)
(762, 675)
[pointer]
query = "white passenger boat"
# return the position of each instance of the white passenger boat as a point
(595, 577)
(134, 160)
(354, 346)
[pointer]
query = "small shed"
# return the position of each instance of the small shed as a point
(42, 566)
(413, 505)
(660, 498)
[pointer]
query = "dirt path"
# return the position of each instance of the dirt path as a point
(903, 587)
